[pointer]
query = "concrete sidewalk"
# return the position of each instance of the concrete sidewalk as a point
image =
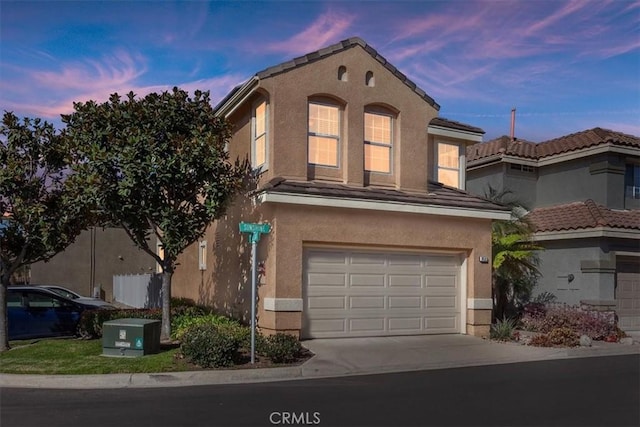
(340, 357)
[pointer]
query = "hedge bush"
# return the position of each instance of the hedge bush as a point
(210, 346)
(182, 322)
(282, 348)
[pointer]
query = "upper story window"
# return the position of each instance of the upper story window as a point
(450, 168)
(378, 140)
(632, 181)
(259, 135)
(323, 134)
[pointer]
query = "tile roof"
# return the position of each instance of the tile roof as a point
(531, 150)
(437, 194)
(582, 215)
(327, 51)
(451, 124)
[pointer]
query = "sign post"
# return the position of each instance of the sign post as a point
(254, 230)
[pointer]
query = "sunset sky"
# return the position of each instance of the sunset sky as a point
(566, 66)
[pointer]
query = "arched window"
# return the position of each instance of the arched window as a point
(342, 73)
(369, 80)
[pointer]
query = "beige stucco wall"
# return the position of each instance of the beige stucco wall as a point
(226, 285)
(288, 95)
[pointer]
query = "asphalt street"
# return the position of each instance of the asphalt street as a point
(595, 391)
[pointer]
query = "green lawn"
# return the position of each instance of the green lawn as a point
(75, 356)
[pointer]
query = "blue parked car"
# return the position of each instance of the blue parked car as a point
(39, 313)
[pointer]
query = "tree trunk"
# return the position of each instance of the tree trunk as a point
(4, 320)
(165, 333)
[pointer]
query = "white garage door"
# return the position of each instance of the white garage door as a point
(352, 293)
(628, 293)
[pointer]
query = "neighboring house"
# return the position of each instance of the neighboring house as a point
(583, 191)
(364, 240)
(89, 264)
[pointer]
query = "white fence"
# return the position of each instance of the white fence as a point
(138, 290)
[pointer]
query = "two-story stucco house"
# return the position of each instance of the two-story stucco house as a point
(366, 240)
(583, 191)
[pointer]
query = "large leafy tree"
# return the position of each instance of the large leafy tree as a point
(41, 212)
(156, 166)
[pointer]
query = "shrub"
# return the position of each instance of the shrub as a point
(535, 310)
(282, 348)
(180, 323)
(541, 341)
(209, 346)
(503, 330)
(595, 325)
(565, 337)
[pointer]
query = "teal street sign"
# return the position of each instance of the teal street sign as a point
(255, 229)
(138, 342)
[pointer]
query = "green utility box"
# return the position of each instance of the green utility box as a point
(130, 337)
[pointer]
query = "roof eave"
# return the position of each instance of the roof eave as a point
(238, 98)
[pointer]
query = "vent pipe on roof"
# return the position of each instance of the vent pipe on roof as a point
(513, 124)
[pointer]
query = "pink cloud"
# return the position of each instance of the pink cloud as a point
(93, 80)
(323, 31)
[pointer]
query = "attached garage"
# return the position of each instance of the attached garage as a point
(628, 293)
(358, 293)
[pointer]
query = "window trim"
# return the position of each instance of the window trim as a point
(338, 137)
(461, 163)
(379, 144)
(254, 138)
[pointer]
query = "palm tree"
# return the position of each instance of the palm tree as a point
(515, 261)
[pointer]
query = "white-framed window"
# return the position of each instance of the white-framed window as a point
(323, 134)
(378, 142)
(450, 164)
(259, 135)
(202, 255)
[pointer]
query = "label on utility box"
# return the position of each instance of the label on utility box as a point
(123, 344)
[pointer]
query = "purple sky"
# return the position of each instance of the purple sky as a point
(566, 66)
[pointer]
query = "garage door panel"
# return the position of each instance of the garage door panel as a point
(406, 261)
(412, 280)
(441, 281)
(628, 293)
(329, 327)
(360, 293)
(441, 324)
(377, 280)
(405, 302)
(367, 324)
(408, 324)
(450, 302)
(327, 279)
(366, 302)
(325, 257)
(368, 259)
(327, 302)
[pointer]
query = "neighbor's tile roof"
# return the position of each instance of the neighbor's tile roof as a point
(582, 215)
(437, 194)
(451, 124)
(530, 150)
